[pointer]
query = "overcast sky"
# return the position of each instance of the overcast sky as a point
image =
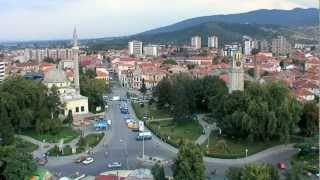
(55, 19)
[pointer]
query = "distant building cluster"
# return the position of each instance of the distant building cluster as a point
(297, 65)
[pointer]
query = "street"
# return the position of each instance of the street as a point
(122, 147)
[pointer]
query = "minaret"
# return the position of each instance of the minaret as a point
(75, 53)
(237, 74)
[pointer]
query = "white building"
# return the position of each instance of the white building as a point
(135, 48)
(196, 42)
(151, 50)
(247, 47)
(213, 42)
(2, 71)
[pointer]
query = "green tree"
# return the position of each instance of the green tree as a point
(69, 118)
(143, 88)
(18, 165)
(94, 89)
(260, 172)
(158, 172)
(163, 93)
(189, 163)
(234, 173)
(6, 130)
(309, 120)
(253, 172)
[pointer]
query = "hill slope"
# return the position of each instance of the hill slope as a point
(294, 17)
(227, 32)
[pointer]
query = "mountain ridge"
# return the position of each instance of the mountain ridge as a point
(293, 17)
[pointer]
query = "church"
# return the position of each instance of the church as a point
(69, 92)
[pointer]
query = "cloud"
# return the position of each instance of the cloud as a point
(54, 19)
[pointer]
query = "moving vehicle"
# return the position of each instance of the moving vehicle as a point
(80, 159)
(116, 98)
(88, 160)
(144, 136)
(115, 165)
(282, 165)
(130, 121)
(132, 125)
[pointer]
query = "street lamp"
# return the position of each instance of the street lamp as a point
(246, 152)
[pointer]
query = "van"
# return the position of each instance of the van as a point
(144, 136)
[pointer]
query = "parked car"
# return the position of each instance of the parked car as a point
(282, 165)
(88, 160)
(42, 161)
(115, 165)
(80, 159)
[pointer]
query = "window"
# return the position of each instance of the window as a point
(77, 109)
(82, 108)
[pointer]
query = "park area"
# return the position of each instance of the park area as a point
(65, 133)
(173, 132)
(84, 144)
(26, 146)
(151, 110)
(225, 148)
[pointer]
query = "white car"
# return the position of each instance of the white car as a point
(115, 165)
(130, 121)
(87, 161)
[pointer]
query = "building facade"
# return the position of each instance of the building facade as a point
(151, 50)
(213, 42)
(2, 71)
(280, 46)
(237, 74)
(196, 42)
(135, 48)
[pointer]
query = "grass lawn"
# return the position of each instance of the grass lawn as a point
(66, 133)
(189, 131)
(26, 146)
(221, 147)
(152, 109)
(90, 140)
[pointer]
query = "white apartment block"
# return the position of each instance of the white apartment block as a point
(213, 42)
(2, 71)
(196, 42)
(135, 48)
(151, 50)
(247, 47)
(280, 46)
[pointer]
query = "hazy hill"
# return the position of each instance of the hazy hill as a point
(294, 17)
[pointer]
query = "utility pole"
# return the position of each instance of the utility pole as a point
(142, 147)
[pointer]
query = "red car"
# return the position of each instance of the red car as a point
(282, 165)
(80, 159)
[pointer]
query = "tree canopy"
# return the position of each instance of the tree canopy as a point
(189, 163)
(253, 172)
(261, 112)
(28, 104)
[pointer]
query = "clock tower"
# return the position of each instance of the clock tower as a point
(237, 74)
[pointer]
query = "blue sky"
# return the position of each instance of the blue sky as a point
(55, 19)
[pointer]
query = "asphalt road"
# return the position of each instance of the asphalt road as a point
(122, 146)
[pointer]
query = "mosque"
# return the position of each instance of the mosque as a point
(69, 92)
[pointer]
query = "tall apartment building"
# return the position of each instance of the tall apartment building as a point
(263, 46)
(280, 46)
(2, 71)
(196, 42)
(135, 48)
(151, 50)
(213, 42)
(247, 47)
